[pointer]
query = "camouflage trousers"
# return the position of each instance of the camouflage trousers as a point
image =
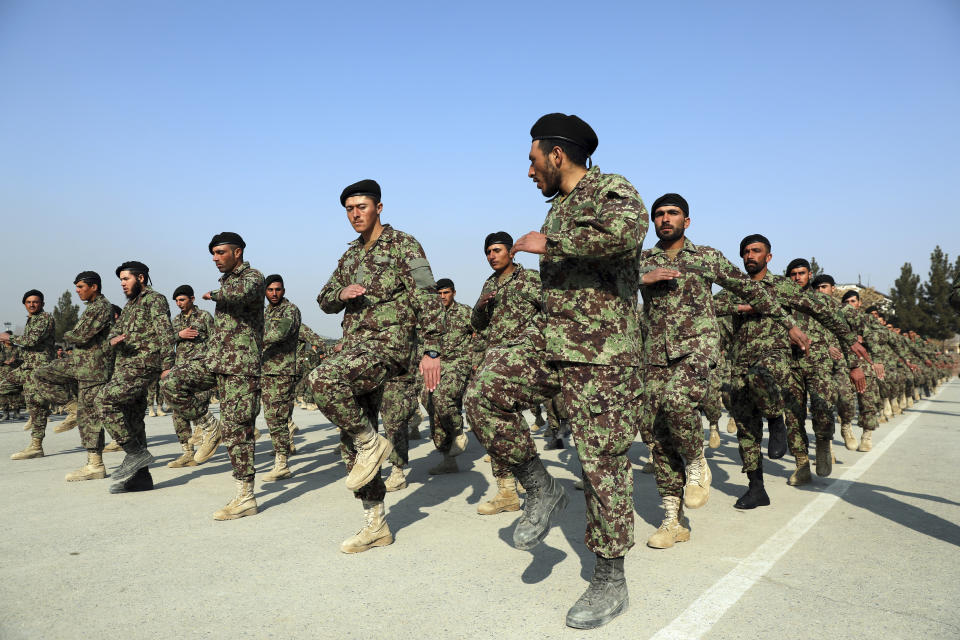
(556, 414)
(123, 403)
(846, 394)
(445, 404)
(756, 394)
(181, 426)
(869, 401)
(186, 390)
(603, 403)
(671, 424)
(813, 380)
(348, 388)
(398, 405)
(21, 380)
(57, 384)
(154, 396)
(277, 395)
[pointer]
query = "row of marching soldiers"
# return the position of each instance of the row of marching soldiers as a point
(570, 335)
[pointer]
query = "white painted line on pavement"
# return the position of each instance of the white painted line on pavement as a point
(704, 612)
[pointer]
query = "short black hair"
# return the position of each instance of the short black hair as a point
(445, 283)
(823, 278)
(796, 263)
(754, 238)
(574, 152)
(137, 268)
(273, 277)
(90, 278)
(850, 294)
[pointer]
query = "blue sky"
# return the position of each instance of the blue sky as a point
(137, 130)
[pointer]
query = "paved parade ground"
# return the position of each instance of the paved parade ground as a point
(871, 552)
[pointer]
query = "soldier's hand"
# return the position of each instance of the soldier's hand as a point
(207, 296)
(799, 338)
(118, 339)
(744, 308)
(352, 291)
(165, 373)
(835, 353)
(532, 242)
(859, 380)
(861, 351)
(659, 275)
(430, 370)
(485, 299)
(880, 370)
(188, 334)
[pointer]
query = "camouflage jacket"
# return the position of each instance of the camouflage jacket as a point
(196, 348)
(145, 321)
(281, 334)
(678, 313)
(758, 334)
(91, 339)
(237, 341)
(517, 302)
(590, 274)
(36, 346)
(821, 338)
(311, 337)
(458, 340)
(401, 297)
(11, 353)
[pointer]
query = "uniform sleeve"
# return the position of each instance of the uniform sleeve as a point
(282, 326)
(94, 320)
(418, 280)
(329, 297)
(242, 291)
(309, 336)
(732, 279)
(725, 304)
(826, 314)
(163, 330)
(35, 332)
(480, 317)
(616, 226)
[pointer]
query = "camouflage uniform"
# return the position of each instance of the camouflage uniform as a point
(231, 366)
(503, 320)
(445, 403)
(398, 404)
(681, 349)
(311, 349)
(36, 348)
(9, 360)
(146, 352)
(278, 377)
(87, 368)
(191, 349)
(869, 400)
(587, 346)
(378, 334)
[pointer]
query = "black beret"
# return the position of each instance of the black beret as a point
(499, 237)
(183, 290)
(570, 128)
(32, 292)
(850, 294)
(89, 277)
(363, 188)
(823, 279)
(271, 279)
(752, 238)
(796, 263)
(672, 200)
(445, 283)
(227, 237)
(133, 266)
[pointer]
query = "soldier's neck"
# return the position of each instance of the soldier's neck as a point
(570, 180)
(759, 275)
(506, 271)
(671, 245)
(371, 236)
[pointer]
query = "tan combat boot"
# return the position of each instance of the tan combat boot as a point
(697, 490)
(802, 474)
(29, 425)
(256, 434)
(212, 435)
(243, 504)
(160, 412)
(396, 480)
(293, 428)
(672, 529)
(824, 457)
(153, 413)
(280, 469)
(714, 441)
(866, 441)
(459, 444)
(113, 447)
(507, 498)
(375, 532)
(372, 450)
(882, 418)
(647, 467)
(731, 425)
(486, 458)
(185, 459)
(197, 436)
(846, 432)
(887, 409)
(93, 470)
(34, 450)
(312, 406)
(447, 465)
(70, 421)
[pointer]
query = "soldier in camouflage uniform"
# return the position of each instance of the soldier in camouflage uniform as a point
(384, 286)
(510, 301)
(398, 405)
(868, 395)
(586, 346)
(846, 395)
(143, 346)
(87, 369)
(192, 328)
(9, 360)
(231, 367)
(681, 350)
(278, 377)
(36, 348)
(310, 351)
(445, 403)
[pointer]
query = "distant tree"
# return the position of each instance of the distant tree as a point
(65, 314)
(905, 295)
(935, 298)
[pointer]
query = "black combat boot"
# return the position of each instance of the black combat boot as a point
(554, 443)
(137, 458)
(141, 480)
(777, 444)
(545, 500)
(604, 599)
(756, 495)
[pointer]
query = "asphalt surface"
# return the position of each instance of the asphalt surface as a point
(870, 552)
